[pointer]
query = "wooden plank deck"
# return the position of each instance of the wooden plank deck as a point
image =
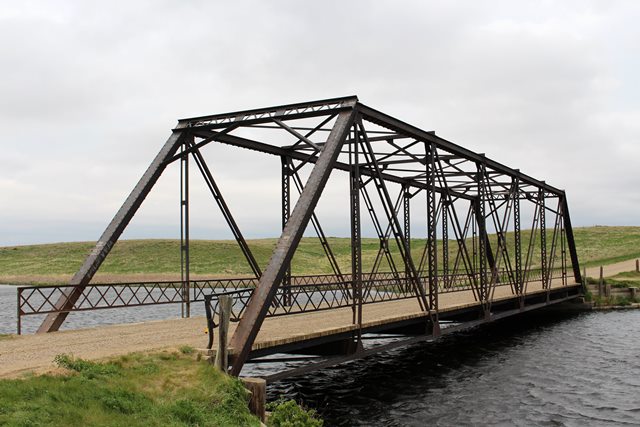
(36, 352)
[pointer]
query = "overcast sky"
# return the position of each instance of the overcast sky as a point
(90, 90)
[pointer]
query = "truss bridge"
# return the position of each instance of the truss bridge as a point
(461, 239)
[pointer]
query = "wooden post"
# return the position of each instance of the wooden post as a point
(258, 389)
(225, 303)
(637, 265)
(601, 283)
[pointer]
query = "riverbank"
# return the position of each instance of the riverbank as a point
(159, 259)
(141, 389)
(166, 388)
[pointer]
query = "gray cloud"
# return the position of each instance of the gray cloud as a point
(90, 91)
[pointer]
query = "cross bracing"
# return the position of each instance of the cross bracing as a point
(486, 224)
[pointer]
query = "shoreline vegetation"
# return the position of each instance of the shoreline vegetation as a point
(169, 388)
(159, 259)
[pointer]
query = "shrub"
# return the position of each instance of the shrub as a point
(290, 414)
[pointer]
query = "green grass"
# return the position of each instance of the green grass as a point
(55, 263)
(628, 279)
(614, 301)
(287, 413)
(164, 389)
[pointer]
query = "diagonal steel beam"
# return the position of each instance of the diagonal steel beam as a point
(226, 212)
(575, 264)
(264, 293)
(103, 246)
(250, 144)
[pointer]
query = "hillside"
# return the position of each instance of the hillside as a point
(160, 259)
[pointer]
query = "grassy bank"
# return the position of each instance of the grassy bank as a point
(163, 389)
(160, 259)
(136, 390)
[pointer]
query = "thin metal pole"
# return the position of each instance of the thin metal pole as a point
(19, 311)
(184, 233)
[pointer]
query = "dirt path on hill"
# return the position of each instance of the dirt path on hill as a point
(612, 269)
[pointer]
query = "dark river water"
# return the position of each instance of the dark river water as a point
(544, 368)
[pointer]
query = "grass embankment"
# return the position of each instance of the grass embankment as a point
(160, 259)
(135, 390)
(163, 389)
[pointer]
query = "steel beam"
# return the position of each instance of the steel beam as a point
(250, 144)
(266, 115)
(432, 223)
(184, 231)
(483, 248)
(226, 212)
(517, 241)
(445, 242)
(356, 241)
(262, 297)
(406, 204)
(401, 127)
(543, 240)
(286, 212)
(392, 217)
(571, 243)
(115, 228)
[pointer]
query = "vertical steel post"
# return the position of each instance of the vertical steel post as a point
(406, 204)
(432, 248)
(482, 240)
(356, 242)
(563, 245)
(445, 243)
(286, 212)
(543, 239)
(184, 231)
(19, 311)
(517, 240)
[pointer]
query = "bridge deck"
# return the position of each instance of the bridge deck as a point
(36, 352)
(281, 330)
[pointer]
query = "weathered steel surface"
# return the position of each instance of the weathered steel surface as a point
(274, 272)
(465, 192)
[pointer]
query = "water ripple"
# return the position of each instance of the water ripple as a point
(544, 369)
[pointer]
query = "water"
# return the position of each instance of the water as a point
(541, 369)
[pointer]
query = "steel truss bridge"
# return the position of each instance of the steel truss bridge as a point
(497, 242)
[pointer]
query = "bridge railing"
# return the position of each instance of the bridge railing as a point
(306, 293)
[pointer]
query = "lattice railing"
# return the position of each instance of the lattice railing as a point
(306, 293)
